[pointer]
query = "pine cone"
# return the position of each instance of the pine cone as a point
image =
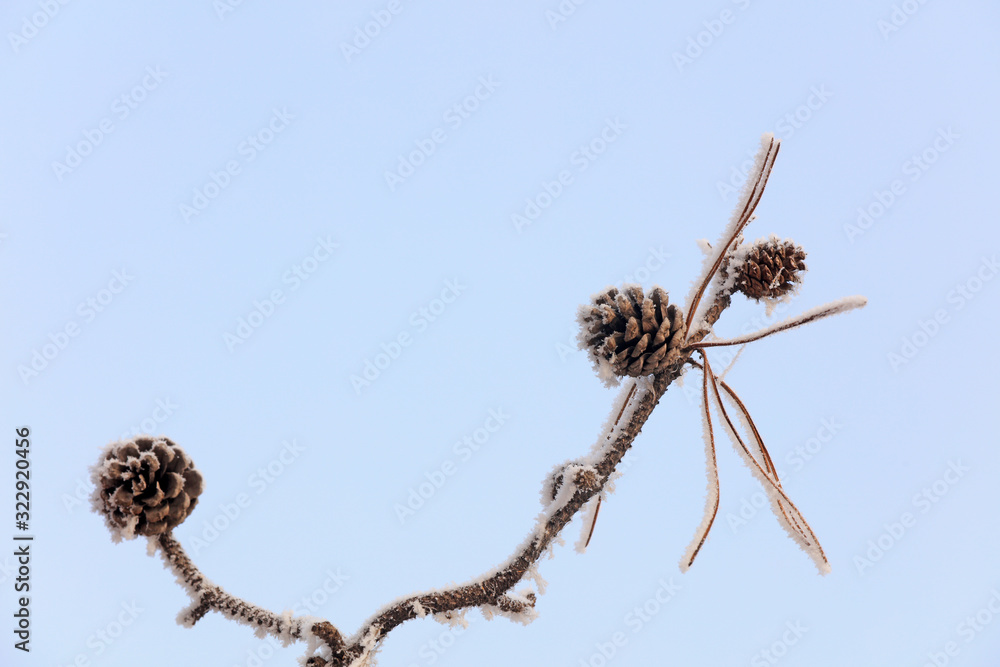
(771, 269)
(145, 486)
(628, 333)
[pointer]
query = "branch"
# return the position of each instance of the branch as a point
(571, 487)
(207, 596)
(819, 312)
(742, 215)
(492, 588)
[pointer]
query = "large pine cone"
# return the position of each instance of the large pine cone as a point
(771, 269)
(145, 486)
(628, 333)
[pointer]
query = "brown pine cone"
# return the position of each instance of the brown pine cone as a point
(771, 269)
(145, 486)
(628, 333)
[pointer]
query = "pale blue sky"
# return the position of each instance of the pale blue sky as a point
(288, 136)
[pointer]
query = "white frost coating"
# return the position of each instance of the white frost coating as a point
(781, 506)
(523, 617)
(314, 645)
(833, 308)
(612, 428)
(548, 486)
(532, 574)
(601, 365)
(705, 246)
(453, 619)
(567, 489)
(182, 580)
(118, 533)
(418, 609)
(588, 520)
(183, 618)
(289, 623)
(727, 237)
(550, 550)
(609, 486)
(369, 647)
(712, 497)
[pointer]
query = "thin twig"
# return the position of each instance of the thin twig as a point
(804, 531)
(712, 504)
(207, 596)
(818, 313)
(746, 214)
(593, 524)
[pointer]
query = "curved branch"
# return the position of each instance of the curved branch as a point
(491, 589)
(206, 596)
(576, 485)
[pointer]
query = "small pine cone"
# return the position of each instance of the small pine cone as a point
(145, 486)
(628, 333)
(771, 269)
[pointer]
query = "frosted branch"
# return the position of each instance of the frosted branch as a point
(206, 596)
(753, 189)
(833, 308)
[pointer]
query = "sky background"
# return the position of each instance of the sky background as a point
(119, 117)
